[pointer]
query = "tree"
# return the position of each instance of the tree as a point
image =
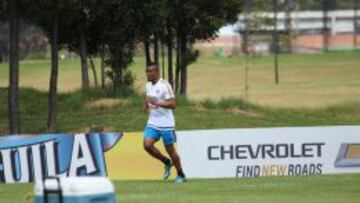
(288, 10)
(151, 20)
(4, 28)
(83, 55)
(169, 40)
(115, 24)
(14, 120)
(356, 24)
(95, 28)
(326, 6)
(51, 25)
(195, 20)
(276, 41)
(52, 112)
(76, 39)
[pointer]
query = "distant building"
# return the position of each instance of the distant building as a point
(307, 32)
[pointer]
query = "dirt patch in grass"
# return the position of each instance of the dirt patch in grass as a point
(199, 108)
(105, 103)
(238, 111)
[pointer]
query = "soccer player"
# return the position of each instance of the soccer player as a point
(159, 102)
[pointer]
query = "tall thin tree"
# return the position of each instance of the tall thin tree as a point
(147, 50)
(356, 25)
(170, 54)
(83, 49)
(156, 49)
(183, 48)
(102, 64)
(288, 24)
(325, 29)
(14, 118)
(276, 42)
(245, 43)
(52, 112)
(178, 63)
(162, 59)
(83, 58)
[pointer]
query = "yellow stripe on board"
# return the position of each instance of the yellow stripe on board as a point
(128, 160)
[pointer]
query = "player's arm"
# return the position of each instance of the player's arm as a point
(146, 105)
(168, 103)
(146, 100)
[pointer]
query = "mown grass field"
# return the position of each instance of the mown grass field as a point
(309, 189)
(306, 80)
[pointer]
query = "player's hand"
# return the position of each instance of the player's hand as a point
(152, 102)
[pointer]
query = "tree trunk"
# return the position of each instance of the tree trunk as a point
(103, 76)
(2, 51)
(53, 77)
(156, 49)
(147, 51)
(14, 120)
(162, 59)
(92, 66)
(355, 6)
(83, 58)
(170, 56)
(245, 35)
(117, 80)
(325, 30)
(289, 5)
(178, 62)
(276, 42)
(183, 45)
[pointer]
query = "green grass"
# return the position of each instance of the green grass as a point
(310, 189)
(78, 112)
(306, 80)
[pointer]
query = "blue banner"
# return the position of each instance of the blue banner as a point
(25, 158)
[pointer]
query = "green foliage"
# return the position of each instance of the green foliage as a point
(201, 19)
(192, 55)
(3, 10)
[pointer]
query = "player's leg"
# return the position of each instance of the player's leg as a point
(175, 159)
(169, 139)
(150, 137)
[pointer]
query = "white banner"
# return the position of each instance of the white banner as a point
(270, 151)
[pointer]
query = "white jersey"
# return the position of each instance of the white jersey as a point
(160, 118)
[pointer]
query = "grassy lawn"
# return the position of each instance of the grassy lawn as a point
(311, 189)
(78, 112)
(306, 80)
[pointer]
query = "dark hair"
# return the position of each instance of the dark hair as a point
(152, 64)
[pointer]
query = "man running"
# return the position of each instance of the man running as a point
(159, 102)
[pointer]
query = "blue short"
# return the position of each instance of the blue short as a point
(168, 136)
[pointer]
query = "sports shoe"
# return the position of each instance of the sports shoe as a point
(167, 169)
(180, 179)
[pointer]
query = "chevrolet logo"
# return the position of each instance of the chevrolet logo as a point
(349, 155)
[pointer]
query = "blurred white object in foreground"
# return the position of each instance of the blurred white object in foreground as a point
(74, 190)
